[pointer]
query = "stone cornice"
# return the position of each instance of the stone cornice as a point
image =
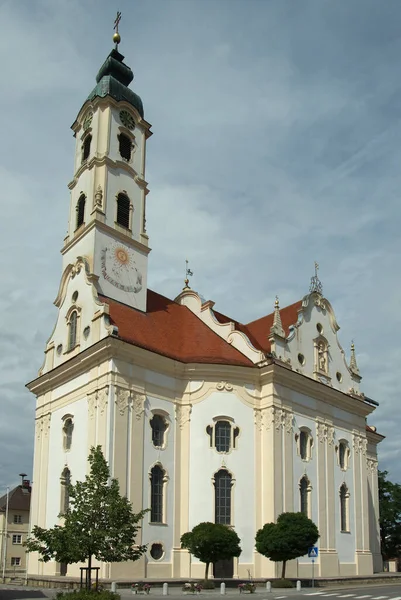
(284, 376)
(109, 230)
(101, 160)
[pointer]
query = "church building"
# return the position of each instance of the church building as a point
(200, 416)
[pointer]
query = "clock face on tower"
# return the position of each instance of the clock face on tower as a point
(119, 268)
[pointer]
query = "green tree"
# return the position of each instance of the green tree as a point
(287, 539)
(99, 523)
(390, 516)
(211, 542)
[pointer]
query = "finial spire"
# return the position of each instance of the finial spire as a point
(277, 327)
(315, 283)
(352, 363)
(188, 273)
(117, 36)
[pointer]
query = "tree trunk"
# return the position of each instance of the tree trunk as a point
(283, 569)
(206, 570)
(89, 573)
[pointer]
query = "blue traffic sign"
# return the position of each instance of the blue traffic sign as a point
(313, 552)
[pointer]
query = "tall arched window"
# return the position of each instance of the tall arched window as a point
(157, 476)
(72, 331)
(68, 428)
(222, 497)
(123, 210)
(86, 147)
(304, 495)
(125, 146)
(303, 445)
(80, 210)
(222, 436)
(344, 508)
(159, 426)
(65, 494)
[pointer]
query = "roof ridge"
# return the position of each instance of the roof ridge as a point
(272, 313)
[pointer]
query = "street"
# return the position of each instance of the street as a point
(367, 592)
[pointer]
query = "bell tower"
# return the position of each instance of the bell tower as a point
(107, 217)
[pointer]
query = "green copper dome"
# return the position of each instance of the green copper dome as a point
(113, 80)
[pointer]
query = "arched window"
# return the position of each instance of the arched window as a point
(72, 331)
(223, 436)
(344, 508)
(86, 147)
(125, 146)
(65, 493)
(80, 210)
(343, 454)
(222, 497)
(159, 426)
(304, 493)
(157, 475)
(68, 428)
(123, 210)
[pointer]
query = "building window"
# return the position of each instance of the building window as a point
(65, 491)
(17, 539)
(156, 551)
(222, 497)
(159, 427)
(343, 454)
(344, 508)
(72, 330)
(123, 210)
(68, 428)
(157, 478)
(86, 147)
(304, 444)
(125, 146)
(223, 435)
(15, 561)
(17, 519)
(305, 494)
(80, 210)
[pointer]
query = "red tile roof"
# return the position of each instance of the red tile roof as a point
(172, 330)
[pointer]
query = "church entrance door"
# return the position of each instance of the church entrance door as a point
(224, 569)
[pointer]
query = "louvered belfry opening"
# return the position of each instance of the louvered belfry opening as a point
(81, 210)
(123, 208)
(125, 146)
(86, 147)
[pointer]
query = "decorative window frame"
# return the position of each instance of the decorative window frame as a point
(165, 480)
(131, 212)
(163, 556)
(84, 137)
(343, 443)
(71, 310)
(308, 496)
(166, 416)
(129, 134)
(232, 496)
(233, 435)
(344, 487)
(65, 418)
(309, 443)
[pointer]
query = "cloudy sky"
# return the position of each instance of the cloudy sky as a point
(277, 142)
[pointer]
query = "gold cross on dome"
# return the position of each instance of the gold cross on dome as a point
(117, 20)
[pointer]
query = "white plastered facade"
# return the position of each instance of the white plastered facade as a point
(112, 389)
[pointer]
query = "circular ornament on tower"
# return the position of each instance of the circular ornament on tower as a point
(127, 120)
(119, 268)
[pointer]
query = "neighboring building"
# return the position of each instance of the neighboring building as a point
(201, 417)
(14, 528)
